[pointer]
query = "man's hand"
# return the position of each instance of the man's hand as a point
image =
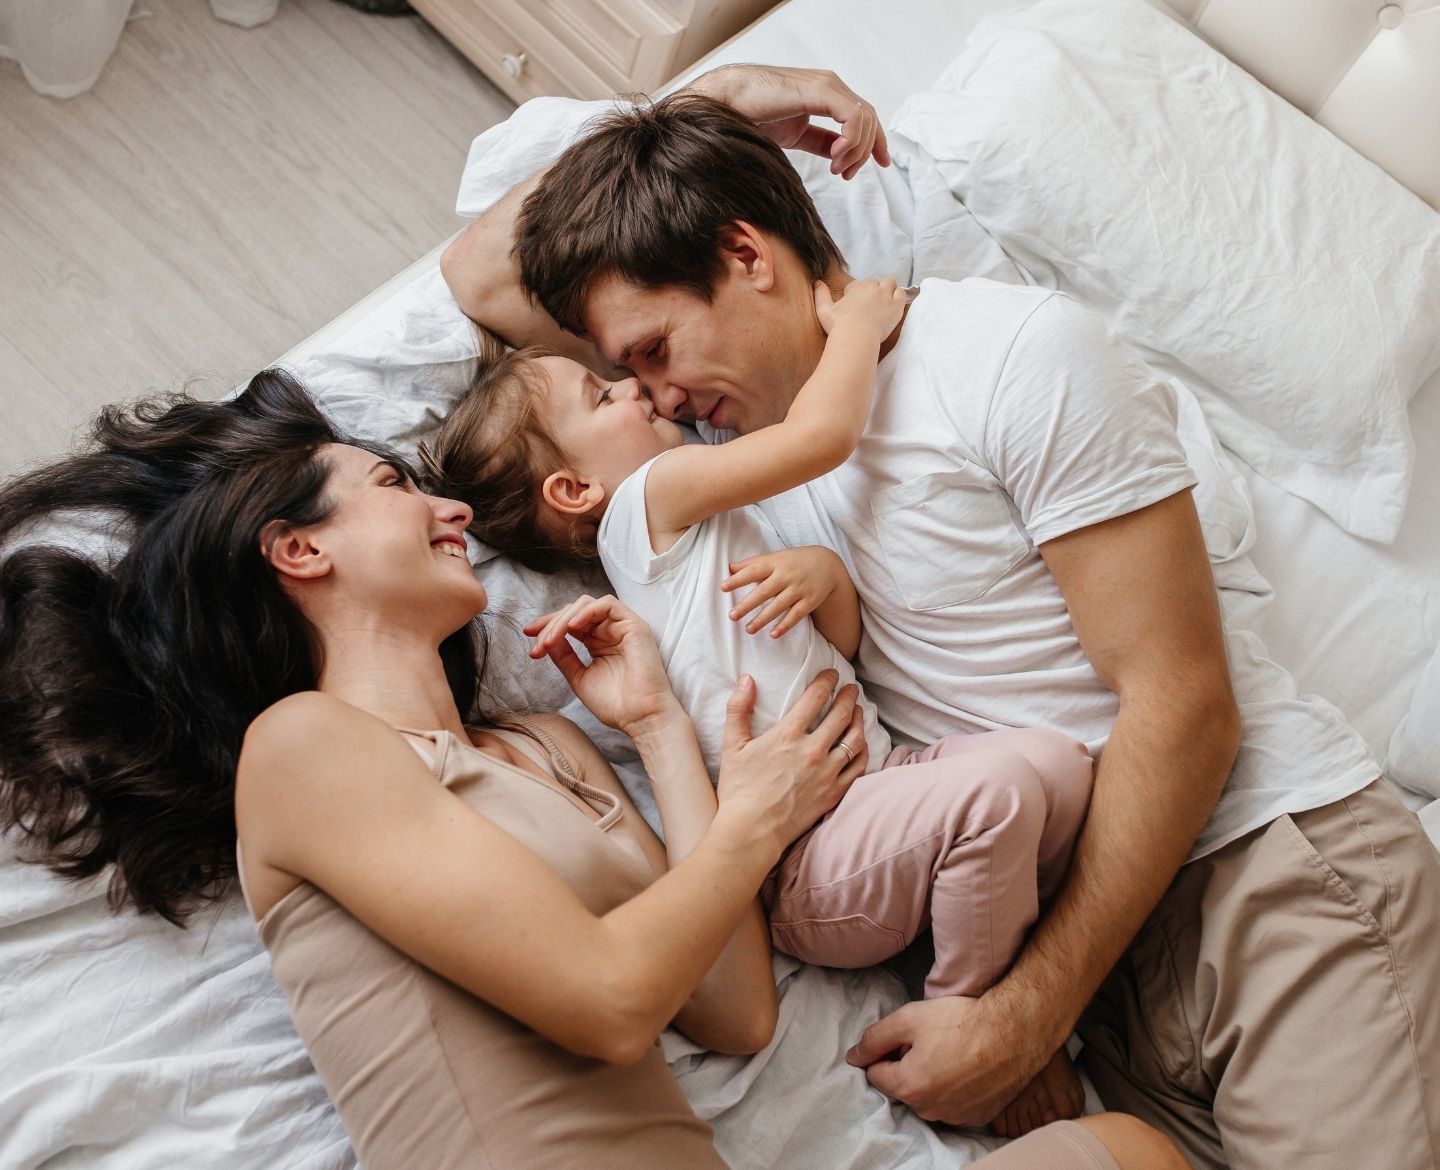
(952, 1059)
(781, 101)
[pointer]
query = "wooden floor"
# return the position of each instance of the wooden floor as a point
(220, 194)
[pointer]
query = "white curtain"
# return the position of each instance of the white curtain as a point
(62, 45)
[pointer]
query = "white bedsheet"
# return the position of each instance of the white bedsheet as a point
(127, 1045)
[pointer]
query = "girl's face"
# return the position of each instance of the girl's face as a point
(391, 550)
(606, 430)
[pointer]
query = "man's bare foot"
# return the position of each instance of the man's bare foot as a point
(1054, 1094)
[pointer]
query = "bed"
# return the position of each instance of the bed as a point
(130, 1044)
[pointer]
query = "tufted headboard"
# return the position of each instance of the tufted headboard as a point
(1366, 70)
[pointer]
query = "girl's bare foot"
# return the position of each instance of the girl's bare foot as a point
(1054, 1094)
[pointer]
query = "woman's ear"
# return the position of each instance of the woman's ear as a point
(291, 551)
(748, 252)
(570, 495)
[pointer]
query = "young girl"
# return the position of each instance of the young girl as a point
(967, 836)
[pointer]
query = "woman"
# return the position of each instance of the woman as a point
(478, 937)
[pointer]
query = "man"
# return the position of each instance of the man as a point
(1250, 914)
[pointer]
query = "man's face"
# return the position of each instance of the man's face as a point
(724, 362)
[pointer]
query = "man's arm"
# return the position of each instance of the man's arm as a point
(1143, 603)
(485, 279)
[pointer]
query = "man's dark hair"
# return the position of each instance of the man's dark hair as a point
(647, 195)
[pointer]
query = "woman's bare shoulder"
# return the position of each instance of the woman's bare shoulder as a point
(303, 719)
(309, 740)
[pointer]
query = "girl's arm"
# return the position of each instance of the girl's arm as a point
(819, 431)
(735, 1006)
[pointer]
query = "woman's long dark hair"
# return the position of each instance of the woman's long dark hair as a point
(125, 691)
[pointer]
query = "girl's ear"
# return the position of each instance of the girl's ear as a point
(292, 553)
(570, 495)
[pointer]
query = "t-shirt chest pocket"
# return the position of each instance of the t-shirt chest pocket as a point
(948, 537)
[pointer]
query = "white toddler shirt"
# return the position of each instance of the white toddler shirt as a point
(678, 593)
(1006, 416)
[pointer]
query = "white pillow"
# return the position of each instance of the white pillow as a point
(1291, 283)
(396, 372)
(1414, 758)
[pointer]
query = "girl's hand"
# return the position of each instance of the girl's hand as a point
(791, 582)
(624, 685)
(785, 780)
(876, 305)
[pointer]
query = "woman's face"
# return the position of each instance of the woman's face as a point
(391, 550)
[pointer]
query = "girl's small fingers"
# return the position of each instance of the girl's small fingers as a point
(750, 601)
(773, 609)
(748, 575)
(790, 620)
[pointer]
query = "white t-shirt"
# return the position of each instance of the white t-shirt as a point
(1004, 417)
(678, 593)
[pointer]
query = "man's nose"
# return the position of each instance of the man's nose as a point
(671, 401)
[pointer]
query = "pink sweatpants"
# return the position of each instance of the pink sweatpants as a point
(969, 837)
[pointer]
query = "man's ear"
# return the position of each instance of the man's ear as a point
(569, 494)
(292, 553)
(749, 253)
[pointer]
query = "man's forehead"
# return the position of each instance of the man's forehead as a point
(618, 315)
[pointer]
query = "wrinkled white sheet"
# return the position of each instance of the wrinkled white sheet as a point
(128, 1045)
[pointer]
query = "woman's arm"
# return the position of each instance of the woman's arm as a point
(329, 794)
(819, 431)
(735, 1006)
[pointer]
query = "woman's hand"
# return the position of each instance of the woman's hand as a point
(792, 583)
(788, 778)
(780, 100)
(624, 685)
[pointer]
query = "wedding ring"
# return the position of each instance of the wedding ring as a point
(849, 755)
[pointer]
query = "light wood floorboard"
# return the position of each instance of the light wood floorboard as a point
(219, 195)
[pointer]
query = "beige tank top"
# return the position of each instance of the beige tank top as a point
(424, 1075)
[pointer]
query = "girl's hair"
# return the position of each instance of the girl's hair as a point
(125, 692)
(494, 452)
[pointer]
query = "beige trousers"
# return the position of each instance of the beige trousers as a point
(1280, 1010)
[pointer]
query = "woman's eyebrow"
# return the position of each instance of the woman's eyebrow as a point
(398, 468)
